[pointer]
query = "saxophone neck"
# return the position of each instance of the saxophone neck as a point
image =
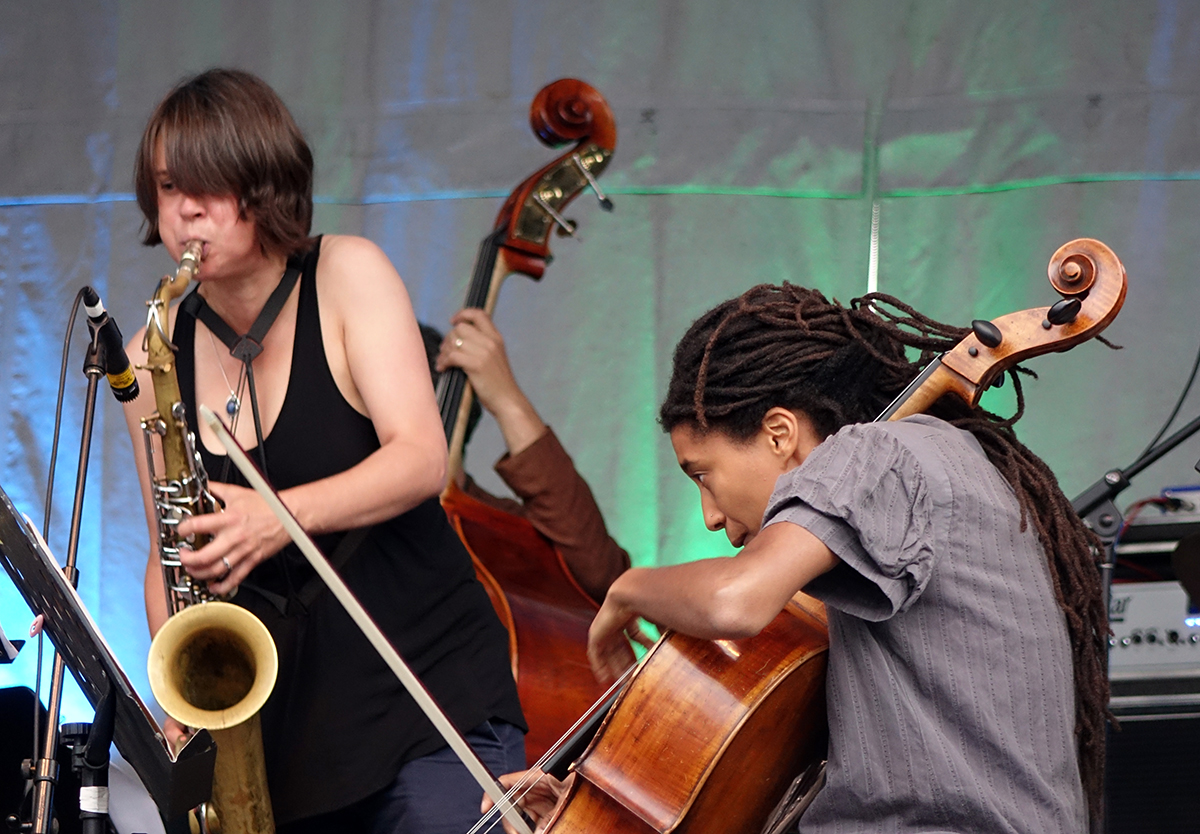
(160, 352)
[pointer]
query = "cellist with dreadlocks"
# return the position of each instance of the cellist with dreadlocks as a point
(966, 684)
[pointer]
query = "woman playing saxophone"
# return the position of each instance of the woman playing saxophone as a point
(332, 394)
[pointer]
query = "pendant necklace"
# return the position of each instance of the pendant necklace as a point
(233, 405)
(244, 348)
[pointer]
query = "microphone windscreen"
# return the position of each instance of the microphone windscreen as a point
(92, 303)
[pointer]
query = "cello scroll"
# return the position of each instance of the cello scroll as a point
(1091, 280)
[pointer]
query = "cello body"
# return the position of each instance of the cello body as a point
(742, 718)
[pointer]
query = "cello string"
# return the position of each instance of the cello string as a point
(528, 782)
(579, 722)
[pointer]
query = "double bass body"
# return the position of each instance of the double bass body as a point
(544, 610)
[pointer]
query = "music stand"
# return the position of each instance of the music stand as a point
(175, 783)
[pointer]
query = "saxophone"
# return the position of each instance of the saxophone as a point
(212, 664)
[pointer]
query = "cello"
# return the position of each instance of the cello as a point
(707, 735)
(543, 607)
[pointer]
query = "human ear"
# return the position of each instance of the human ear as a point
(781, 430)
(790, 434)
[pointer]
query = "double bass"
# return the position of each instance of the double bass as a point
(543, 607)
(708, 735)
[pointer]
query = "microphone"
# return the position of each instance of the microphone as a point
(116, 362)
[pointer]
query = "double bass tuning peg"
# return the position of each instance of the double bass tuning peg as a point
(605, 203)
(566, 228)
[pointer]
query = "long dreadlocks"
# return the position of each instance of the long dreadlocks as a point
(791, 347)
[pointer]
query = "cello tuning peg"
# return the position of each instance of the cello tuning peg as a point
(605, 203)
(987, 333)
(1065, 311)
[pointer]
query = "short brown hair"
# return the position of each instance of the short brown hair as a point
(226, 132)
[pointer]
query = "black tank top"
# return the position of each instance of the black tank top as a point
(338, 725)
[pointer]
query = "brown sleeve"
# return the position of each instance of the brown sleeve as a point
(558, 502)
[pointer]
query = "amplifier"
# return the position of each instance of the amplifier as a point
(1154, 651)
(1154, 674)
(1154, 654)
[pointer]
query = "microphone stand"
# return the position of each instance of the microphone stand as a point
(90, 745)
(46, 771)
(1095, 504)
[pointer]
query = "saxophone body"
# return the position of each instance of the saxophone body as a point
(212, 664)
(181, 489)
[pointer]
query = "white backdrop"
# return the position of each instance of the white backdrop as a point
(753, 140)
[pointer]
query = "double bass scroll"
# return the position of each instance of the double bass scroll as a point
(564, 111)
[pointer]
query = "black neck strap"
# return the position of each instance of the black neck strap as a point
(247, 347)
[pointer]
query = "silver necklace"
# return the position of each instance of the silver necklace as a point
(233, 405)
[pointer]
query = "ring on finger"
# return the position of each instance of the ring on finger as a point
(228, 567)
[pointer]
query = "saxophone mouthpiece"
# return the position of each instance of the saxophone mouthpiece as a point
(189, 262)
(192, 253)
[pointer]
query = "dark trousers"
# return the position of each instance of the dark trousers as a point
(434, 794)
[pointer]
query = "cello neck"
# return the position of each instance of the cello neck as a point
(1092, 282)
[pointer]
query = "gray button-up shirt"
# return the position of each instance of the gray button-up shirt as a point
(951, 696)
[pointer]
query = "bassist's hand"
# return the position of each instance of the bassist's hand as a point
(475, 345)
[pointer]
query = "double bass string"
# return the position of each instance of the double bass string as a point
(454, 380)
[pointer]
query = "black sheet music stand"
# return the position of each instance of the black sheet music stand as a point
(176, 783)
